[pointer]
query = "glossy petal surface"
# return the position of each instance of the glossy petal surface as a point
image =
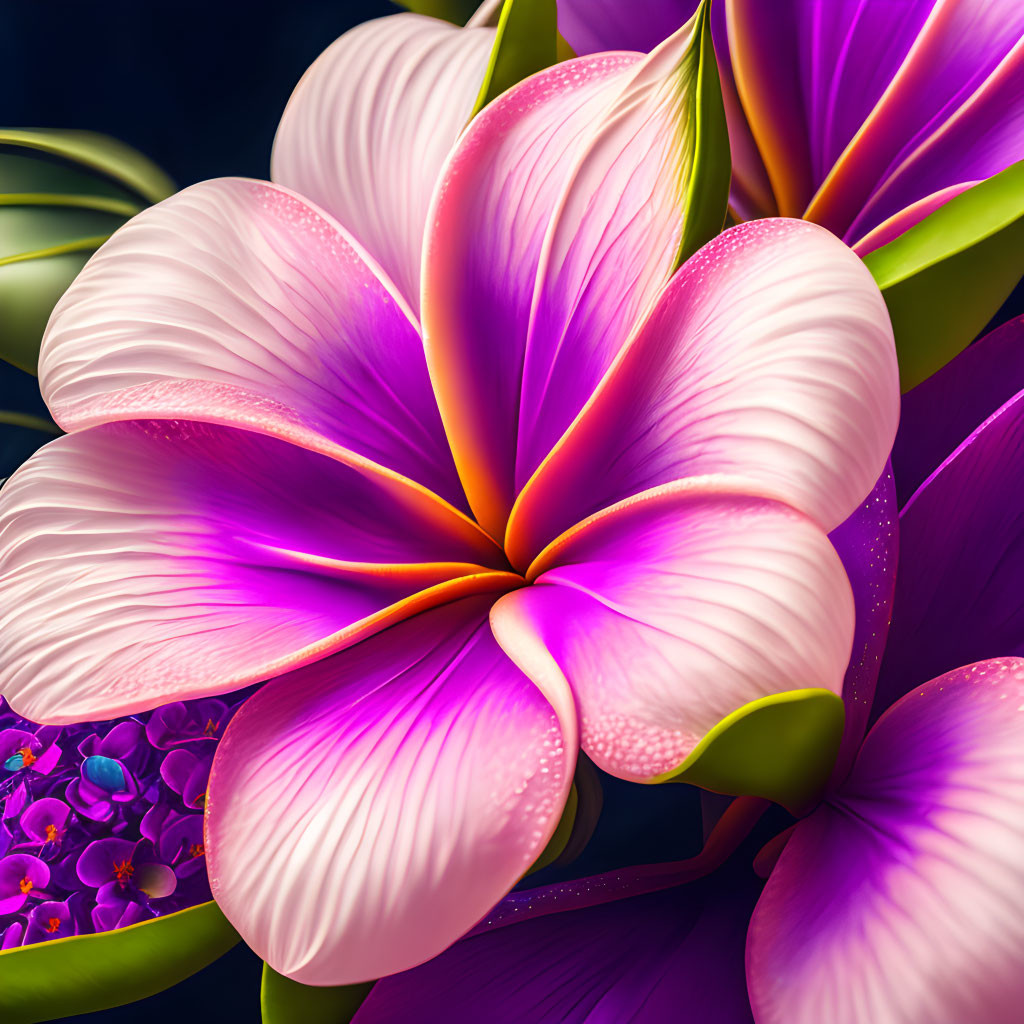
(671, 611)
(368, 129)
(944, 410)
(143, 562)
(559, 220)
(366, 811)
(768, 356)
(958, 593)
(668, 956)
(901, 900)
(868, 544)
(236, 301)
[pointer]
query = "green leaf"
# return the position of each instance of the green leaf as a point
(457, 11)
(780, 747)
(706, 198)
(287, 1002)
(62, 194)
(526, 42)
(12, 418)
(84, 973)
(102, 154)
(944, 278)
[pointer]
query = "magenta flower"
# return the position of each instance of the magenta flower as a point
(899, 898)
(861, 115)
(540, 489)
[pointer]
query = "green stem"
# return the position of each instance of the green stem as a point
(79, 245)
(25, 419)
(102, 204)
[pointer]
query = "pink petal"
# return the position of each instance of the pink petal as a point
(901, 900)
(674, 609)
(156, 561)
(955, 50)
(488, 226)
(365, 812)
(237, 302)
(905, 218)
(369, 126)
(559, 220)
(769, 356)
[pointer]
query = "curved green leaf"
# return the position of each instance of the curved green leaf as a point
(100, 153)
(85, 973)
(284, 1001)
(706, 198)
(13, 418)
(62, 194)
(780, 747)
(944, 278)
(457, 11)
(526, 42)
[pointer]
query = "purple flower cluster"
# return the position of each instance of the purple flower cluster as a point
(101, 824)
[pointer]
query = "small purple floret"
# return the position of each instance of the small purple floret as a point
(101, 824)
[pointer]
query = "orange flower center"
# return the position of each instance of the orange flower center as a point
(123, 871)
(51, 833)
(211, 727)
(197, 850)
(27, 757)
(25, 885)
(53, 925)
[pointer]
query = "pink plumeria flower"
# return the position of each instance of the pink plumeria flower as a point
(468, 497)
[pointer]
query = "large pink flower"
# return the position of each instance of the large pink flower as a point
(538, 489)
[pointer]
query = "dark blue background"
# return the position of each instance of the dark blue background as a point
(199, 85)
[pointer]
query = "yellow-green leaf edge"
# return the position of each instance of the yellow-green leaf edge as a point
(85, 973)
(780, 747)
(526, 42)
(706, 199)
(944, 278)
(284, 1001)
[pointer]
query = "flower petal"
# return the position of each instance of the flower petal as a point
(235, 301)
(868, 544)
(961, 560)
(488, 225)
(936, 57)
(143, 562)
(944, 410)
(768, 356)
(366, 811)
(560, 218)
(368, 128)
(674, 609)
(984, 136)
(809, 74)
(901, 900)
(590, 26)
(641, 960)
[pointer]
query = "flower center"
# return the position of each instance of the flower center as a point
(196, 850)
(53, 925)
(51, 833)
(21, 758)
(211, 727)
(123, 871)
(25, 885)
